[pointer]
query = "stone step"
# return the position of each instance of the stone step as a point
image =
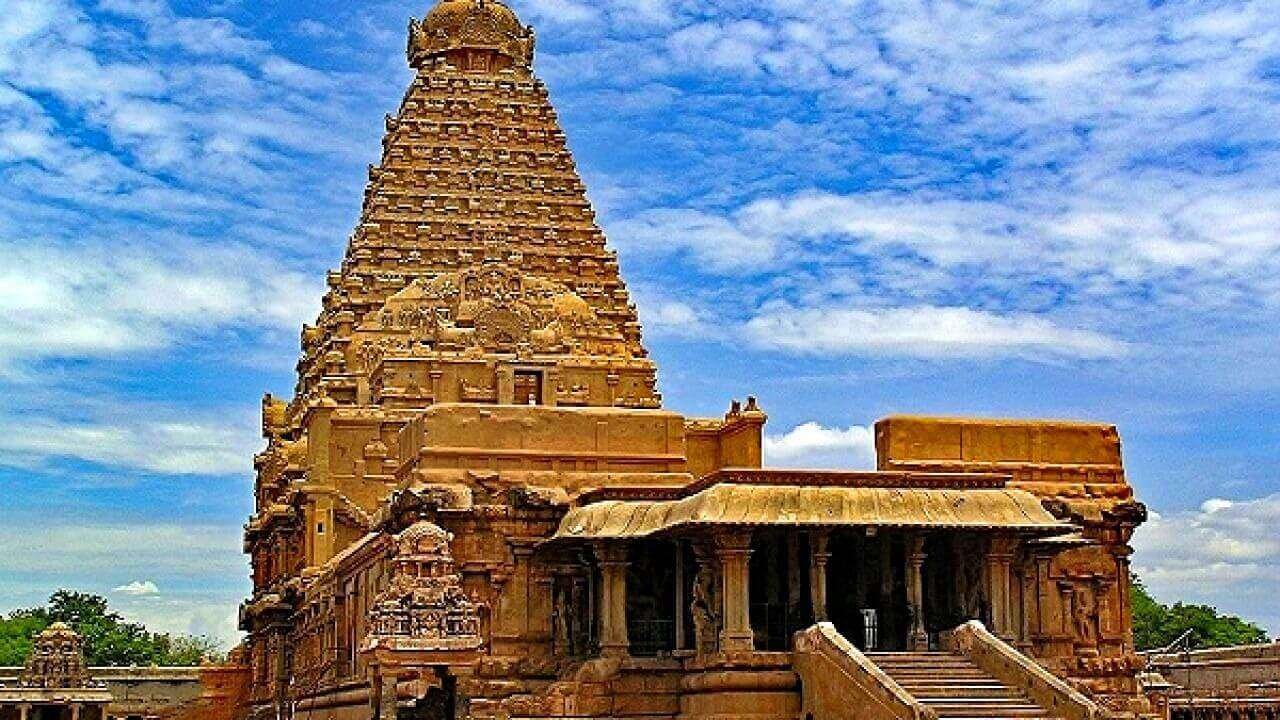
(928, 661)
(963, 714)
(970, 693)
(957, 689)
(922, 669)
(946, 682)
(960, 675)
(983, 705)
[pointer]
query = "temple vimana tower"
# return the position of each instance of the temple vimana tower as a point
(476, 505)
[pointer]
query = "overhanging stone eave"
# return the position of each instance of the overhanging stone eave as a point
(814, 506)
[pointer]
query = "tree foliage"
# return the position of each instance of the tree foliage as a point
(109, 640)
(1156, 625)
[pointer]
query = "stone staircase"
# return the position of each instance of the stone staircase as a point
(955, 688)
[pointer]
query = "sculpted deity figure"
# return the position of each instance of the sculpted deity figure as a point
(1084, 612)
(705, 620)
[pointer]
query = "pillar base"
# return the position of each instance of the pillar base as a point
(918, 642)
(615, 652)
(737, 642)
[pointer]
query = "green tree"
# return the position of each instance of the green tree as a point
(1156, 625)
(109, 640)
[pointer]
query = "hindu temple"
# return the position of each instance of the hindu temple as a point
(477, 505)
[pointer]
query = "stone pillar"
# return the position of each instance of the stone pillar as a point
(613, 600)
(819, 556)
(917, 639)
(280, 644)
(999, 562)
(24, 711)
(75, 711)
(1122, 597)
(681, 600)
(734, 553)
(388, 702)
(1030, 605)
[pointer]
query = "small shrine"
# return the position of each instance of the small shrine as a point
(55, 683)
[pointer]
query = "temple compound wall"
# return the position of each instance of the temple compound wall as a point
(1238, 683)
(475, 504)
(55, 684)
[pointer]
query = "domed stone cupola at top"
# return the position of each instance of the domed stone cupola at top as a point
(482, 35)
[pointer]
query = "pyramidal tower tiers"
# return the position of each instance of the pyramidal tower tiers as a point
(477, 249)
(476, 506)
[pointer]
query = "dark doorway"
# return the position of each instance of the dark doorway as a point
(866, 590)
(651, 598)
(779, 577)
(528, 387)
(439, 703)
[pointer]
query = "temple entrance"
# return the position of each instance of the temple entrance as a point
(439, 704)
(780, 600)
(868, 592)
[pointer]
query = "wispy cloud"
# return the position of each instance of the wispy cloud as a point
(928, 332)
(173, 446)
(122, 549)
(1225, 553)
(91, 301)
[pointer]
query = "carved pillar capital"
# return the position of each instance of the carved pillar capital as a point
(732, 543)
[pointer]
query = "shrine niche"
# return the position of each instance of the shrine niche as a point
(424, 607)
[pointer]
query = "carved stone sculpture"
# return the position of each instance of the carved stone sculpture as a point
(424, 607)
(56, 661)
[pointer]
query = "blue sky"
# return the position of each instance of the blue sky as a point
(849, 208)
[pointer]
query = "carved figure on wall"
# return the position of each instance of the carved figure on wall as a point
(1084, 612)
(496, 307)
(706, 622)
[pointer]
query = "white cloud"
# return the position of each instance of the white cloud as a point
(89, 302)
(1226, 553)
(176, 446)
(815, 446)
(929, 332)
(713, 241)
(67, 549)
(138, 588)
(214, 618)
(201, 568)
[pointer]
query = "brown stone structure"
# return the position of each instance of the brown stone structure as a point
(55, 684)
(476, 506)
(1235, 683)
(56, 681)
